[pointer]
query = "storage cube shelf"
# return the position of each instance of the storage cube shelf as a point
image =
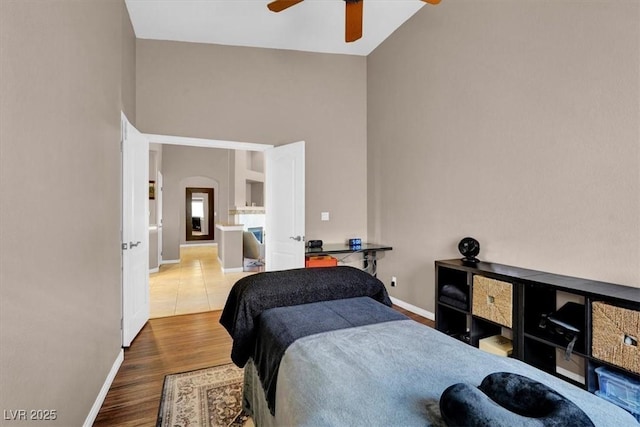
(540, 301)
(501, 298)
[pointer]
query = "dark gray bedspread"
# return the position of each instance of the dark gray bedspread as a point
(251, 295)
(280, 327)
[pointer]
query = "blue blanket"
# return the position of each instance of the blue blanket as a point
(390, 374)
(280, 327)
(253, 294)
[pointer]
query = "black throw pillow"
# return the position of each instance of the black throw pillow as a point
(505, 399)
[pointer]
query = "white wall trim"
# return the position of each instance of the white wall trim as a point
(154, 270)
(207, 143)
(233, 270)
(104, 390)
(170, 261)
(186, 245)
(412, 308)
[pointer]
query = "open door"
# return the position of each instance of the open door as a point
(285, 207)
(135, 232)
(159, 215)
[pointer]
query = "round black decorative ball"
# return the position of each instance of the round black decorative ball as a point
(469, 248)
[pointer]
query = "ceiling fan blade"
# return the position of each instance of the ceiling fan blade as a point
(280, 5)
(353, 20)
(431, 1)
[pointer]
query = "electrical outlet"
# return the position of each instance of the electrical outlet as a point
(394, 281)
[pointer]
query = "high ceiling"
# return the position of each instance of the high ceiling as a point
(313, 25)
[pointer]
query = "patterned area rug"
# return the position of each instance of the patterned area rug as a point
(206, 397)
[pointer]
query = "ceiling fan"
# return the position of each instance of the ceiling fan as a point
(353, 15)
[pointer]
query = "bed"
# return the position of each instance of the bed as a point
(323, 347)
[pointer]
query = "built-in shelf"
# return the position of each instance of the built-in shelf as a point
(247, 175)
(535, 294)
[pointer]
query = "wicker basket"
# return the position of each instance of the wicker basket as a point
(492, 300)
(615, 335)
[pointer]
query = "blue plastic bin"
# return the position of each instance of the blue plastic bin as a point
(619, 389)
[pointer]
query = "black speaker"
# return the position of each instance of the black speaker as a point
(314, 244)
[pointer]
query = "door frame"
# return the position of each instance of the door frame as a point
(159, 196)
(185, 141)
(207, 143)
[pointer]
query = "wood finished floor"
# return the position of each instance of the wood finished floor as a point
(165, 346)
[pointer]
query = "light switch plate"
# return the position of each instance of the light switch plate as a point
(324, 216)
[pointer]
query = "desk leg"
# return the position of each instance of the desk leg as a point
(374, 261)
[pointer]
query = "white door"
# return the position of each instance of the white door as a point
(284, 204)
(159, 216)
(135, 232)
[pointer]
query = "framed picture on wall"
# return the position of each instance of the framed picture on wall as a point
(152, 190)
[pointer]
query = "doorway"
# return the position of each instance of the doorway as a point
(210, 288)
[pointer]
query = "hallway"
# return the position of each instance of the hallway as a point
(194, 285)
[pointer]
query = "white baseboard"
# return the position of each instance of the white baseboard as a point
(154, 270)
(104, 390)
(170, 261)
(186, 245)
(412, 308)
(233, 270)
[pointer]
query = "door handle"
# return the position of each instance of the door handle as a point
(297, 238)
(133, 245)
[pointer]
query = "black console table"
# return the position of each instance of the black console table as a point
(369, 252)
(494, 299)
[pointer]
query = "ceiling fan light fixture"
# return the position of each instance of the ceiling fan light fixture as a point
(280, 5)
(353, 15)
(353, 20)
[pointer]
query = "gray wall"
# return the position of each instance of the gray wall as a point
(62, 67)
(128, 90)
(517, 123)
(190, 167)
(273, 97)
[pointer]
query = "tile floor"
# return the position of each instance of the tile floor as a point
(194, 285)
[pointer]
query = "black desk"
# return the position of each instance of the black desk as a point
(369, 252)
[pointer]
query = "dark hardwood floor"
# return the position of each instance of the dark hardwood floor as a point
(416, 317)
(165, 346)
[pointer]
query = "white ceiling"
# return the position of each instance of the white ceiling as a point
(313, 25)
